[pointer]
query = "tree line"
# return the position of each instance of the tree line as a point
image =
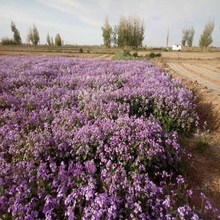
(130, 33)
(205, 38)
(33, 37)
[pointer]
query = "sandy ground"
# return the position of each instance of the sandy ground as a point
(201, 73)
(207, 74)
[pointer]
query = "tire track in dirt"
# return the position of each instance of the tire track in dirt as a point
(189, 73)
(210, 75)
(211, 68)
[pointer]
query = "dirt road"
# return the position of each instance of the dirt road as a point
(206, 74)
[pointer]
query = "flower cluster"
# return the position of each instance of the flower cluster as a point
(91, 139)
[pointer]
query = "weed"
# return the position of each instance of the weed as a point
(202, 141)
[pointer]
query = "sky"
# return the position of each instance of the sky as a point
(79, 21)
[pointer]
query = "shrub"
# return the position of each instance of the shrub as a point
(158, 54)
(152, 55)
(126, 53)
(7, 41)
(123, 55)
(135, 54)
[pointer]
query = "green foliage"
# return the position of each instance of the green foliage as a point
(206, 37)
(153, 55)
(126, 55)
(81, 50)
(135, 54)
(106, 33)
(33, 36)
(130, 32)
(201, 139)
(202, 144)
(190, 37)
(58, 41)
(122, 55)
(17, 37)
(7, 41)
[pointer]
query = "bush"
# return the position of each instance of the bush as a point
(158, 54)
(126, 53)
(7, 41)
(135, 54)
(81, 50)
(123, 55)
(153, 55)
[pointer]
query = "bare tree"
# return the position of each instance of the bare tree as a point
(49, 39)
(33, 36)
(185, 34)
(206, 37)
(106, 33)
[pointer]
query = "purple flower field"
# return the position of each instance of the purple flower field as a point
(92, 139)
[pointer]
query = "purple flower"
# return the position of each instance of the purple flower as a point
(90, 166)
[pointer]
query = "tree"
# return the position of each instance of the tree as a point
(106, 33)
(191, 33)
(58, 41)
(185, 35)
(49, 39)
(17, 37)
(33, 36)
(130, 32)
(188, 35)
(206, 37)
(122, 32)
(114, 36)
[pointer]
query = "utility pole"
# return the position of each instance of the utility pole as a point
(167, 38)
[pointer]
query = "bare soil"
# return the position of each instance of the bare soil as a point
(201, 73)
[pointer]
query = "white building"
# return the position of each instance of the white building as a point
(176, 47)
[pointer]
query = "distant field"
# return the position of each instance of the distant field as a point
(98, 51)
(70, 51)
